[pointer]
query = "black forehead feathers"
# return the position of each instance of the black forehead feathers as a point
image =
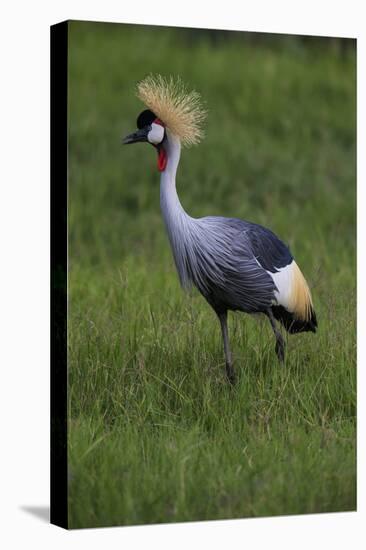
(145, 119)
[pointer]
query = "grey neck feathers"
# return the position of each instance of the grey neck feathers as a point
(177, 222)
(196, 243)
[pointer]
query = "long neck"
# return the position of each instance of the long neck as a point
(176, 220)
(169, 200)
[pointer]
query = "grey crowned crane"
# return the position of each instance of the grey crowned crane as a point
(235, 264)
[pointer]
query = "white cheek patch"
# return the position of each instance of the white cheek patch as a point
(156, 134)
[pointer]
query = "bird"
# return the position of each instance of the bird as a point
(235, 264)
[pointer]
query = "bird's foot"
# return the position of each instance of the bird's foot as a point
(230, 373)
(280, 348)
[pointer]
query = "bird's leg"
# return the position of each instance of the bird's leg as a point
(280, 342)
(228, 357)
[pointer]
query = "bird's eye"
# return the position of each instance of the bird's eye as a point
(155, 134)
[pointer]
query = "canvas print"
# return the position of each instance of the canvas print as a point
(203, 274)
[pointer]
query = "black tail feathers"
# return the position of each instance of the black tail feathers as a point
(293, 325)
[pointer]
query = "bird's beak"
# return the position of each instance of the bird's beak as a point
(139, 135)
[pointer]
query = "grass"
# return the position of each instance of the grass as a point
(156, 434)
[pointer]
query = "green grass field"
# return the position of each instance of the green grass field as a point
(156, 434)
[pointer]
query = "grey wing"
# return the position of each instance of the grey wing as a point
(243, 283)
(251, 287)
(269, 250)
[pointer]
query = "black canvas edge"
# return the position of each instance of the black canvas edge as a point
(58, 253)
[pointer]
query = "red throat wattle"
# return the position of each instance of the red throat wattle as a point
(162, 159)
(162, 156)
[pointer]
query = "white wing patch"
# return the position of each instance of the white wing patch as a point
(283, 280)
(293, 291)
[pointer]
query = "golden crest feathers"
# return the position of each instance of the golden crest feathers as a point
(181, 111)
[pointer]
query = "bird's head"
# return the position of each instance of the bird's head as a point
(152, 130)
(171, 109)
